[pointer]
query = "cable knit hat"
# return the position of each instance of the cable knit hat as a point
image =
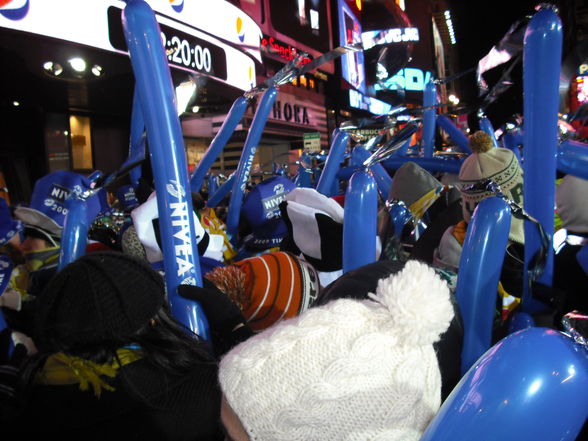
(103, 296)
(570, 197)
(498, 164)
(351, 370)
(269, 287)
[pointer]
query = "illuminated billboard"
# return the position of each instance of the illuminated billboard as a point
(352, 63)
(305, 21)
(188, 32)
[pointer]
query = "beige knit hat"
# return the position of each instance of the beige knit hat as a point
(498, 164)
(350, 370)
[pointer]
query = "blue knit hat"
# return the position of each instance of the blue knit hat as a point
(6, 267)
(47, 209)
(127, 197)
(261, 209)
(9, 227)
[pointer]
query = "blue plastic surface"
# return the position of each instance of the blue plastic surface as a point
(487, 127)
(519, 321)
(455, 133)
(137, 143)
(542, 51)
(244, 169)
(334, 160)
(168, 161)
(219, 142)
(530, 386)
(429, 119)
(479, 272)
(399, 217)
(304, 177)
(360, 221)
(572, 158)
(382, 177)
(74, 236)
(448, 165)
(223, 190)
(512, 140)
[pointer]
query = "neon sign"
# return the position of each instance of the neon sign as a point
(408, 78)
(272, 46)
(395, 35)
(372, 105)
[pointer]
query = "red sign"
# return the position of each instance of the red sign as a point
(274, 47)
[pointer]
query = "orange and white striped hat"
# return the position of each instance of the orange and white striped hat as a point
(269, 287)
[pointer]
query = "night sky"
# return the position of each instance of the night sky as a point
(479, 26)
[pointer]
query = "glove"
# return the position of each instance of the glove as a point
(222, 314)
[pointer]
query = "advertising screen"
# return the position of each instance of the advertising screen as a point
(305, 21)
(352, 63)
(219, 40)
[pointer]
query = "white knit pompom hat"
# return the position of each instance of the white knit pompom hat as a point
(347, 371)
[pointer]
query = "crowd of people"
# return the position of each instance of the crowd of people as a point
(298, 350)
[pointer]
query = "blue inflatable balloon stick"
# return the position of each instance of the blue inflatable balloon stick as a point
(429, 118)
(360, 221)
(530, 386)
(333, 162)
(542, 49)
(480, 267)
(219, 142)
(246, 162)
(168, 161)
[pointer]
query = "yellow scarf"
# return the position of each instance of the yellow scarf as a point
(212, 224)
(62, 369)
(420, 206)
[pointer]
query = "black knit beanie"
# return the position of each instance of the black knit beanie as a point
(102, 296)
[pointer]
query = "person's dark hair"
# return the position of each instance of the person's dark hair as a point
(163, 341)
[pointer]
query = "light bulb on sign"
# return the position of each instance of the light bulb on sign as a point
(78, 64)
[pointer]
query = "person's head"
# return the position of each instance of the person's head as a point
(499, 165)
(106, 300)
(350, 370)
(261, 214)
(570, 197)
(10, 230)
(268, 288)
(44, 217)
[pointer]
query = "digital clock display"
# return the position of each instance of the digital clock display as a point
(182, 49)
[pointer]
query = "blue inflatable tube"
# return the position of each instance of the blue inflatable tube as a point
(487, 127)
(168, 161)
(244, 169)
(360, 221)
(137, 144)
(219, 195)
(572, 158)
(74, 236)
(383, 179)
(429, 119)
(541, 69)
(530, 386)
(456, 135)
(447, 165)
(334, 159)
(480, 266)
(219, 142)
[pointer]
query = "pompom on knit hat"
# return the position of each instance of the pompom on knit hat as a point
(103, 296)
(350, 370)
(269, 287)
(498, 164)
